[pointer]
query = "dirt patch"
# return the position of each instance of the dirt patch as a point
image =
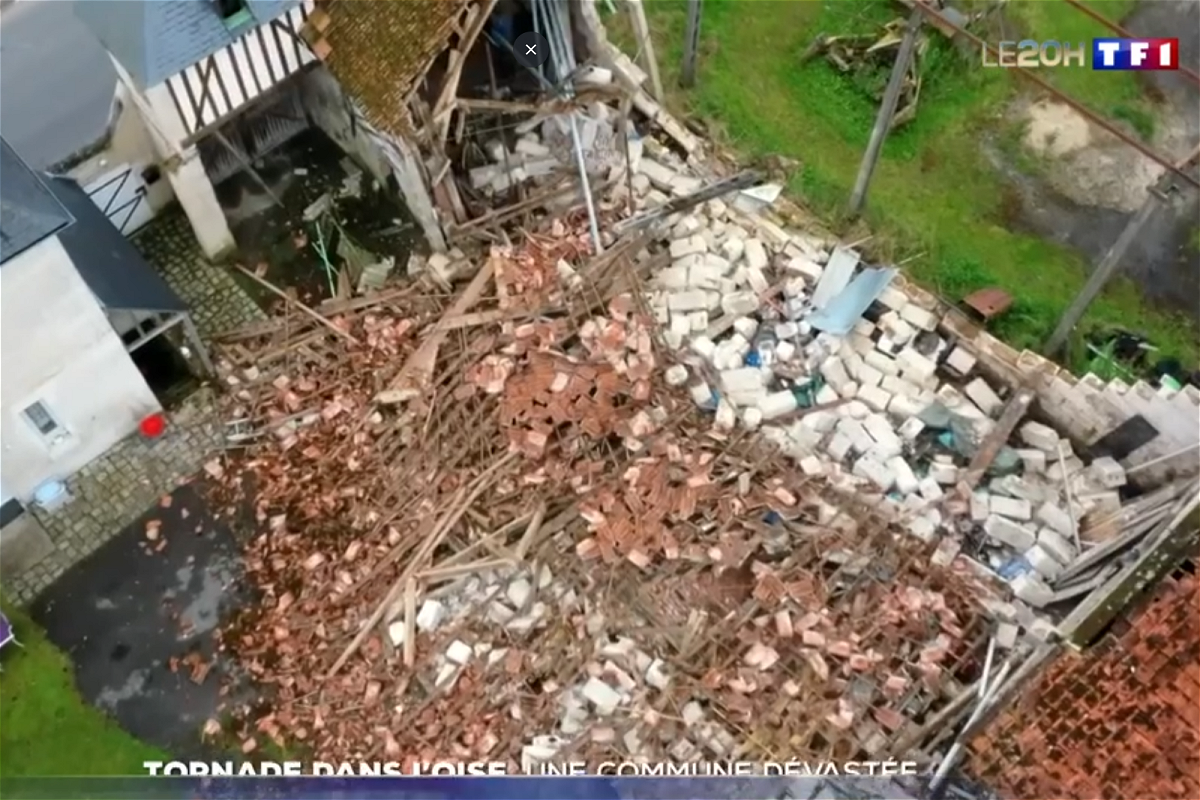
(1087, 182)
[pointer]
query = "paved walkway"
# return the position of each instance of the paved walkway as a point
(116, 488)
(137, 622)
(218, 303)
(120, 485)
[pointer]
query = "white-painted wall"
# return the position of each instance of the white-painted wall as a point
(183, 167)
(60, 350)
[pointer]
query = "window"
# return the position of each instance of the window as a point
(40, 417)
(234, 13)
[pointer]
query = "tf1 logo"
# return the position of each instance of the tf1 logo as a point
(1107, 54)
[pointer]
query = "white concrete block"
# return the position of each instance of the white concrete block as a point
(726, 416)
(1011, 533)
(919, 317)
(756, 254)
(739, 303)
(910, 429)
(751, 418)
(1011, 507)
(1044, 563)
(785, 351)
(459, 652)
(430, 616)
(1043, 437)
(702, 346)
(875, 472)
(733, 248)
(960, 361)
(1056, 545)
(881, 431)
(930, 489)
(686, 227)
(885, 364)
(605, 698)
(893, 298)
(692, 245)
(757, 280)
(659, 175)
(701, 393)
(982, 395)
(906, 408)
(979, 506)
(812, 465)
(859, 438)
(898, 385)
(1054, 517)
(809, 269)
(875, 398)
(914, 366)
(1034, 461)
(839, 446)
(676, 375)
(1107, 472)
(690, 300)
(826, 395)
(866, 374)
(945, 474)
(776, 404)
(834, 372)
(906, 480)
(1031, 589)
(746, 326)
(820, 421)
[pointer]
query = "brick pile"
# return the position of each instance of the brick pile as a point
(1119, 721)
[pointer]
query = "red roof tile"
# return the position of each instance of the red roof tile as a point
(1119, 721)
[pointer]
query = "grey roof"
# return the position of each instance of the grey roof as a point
(29, 212)
(155, 39)
(111, 266)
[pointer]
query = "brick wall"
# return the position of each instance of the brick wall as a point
(1119, 721)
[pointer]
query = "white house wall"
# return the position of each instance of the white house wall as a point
(60, 350)
(215, 87)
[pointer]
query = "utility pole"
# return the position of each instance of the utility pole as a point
(691, 43)
(887, 110)
(641, 29)
(1111, 261)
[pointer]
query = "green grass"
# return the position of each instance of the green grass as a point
(933, 195)
(46, 728)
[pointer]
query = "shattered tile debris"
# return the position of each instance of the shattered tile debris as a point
(640, 501)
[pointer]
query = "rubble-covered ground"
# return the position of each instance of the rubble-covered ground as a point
(704, 494)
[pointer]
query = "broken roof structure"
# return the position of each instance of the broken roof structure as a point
(560, 496)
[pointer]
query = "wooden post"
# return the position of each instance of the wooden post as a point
(1110, 262)
(691, 43)
(645, 51)
(887, 110)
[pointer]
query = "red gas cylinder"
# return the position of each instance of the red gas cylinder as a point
(153, 426)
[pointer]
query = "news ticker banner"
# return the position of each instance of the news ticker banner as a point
(462, 788)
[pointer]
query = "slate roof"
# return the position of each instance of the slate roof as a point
(29, 212)
(112, 267)
(378, 49)
(155, 39)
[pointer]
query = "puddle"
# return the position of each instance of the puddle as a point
(299, 173)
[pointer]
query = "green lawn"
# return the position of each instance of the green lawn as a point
(933, 197)
(46, 729)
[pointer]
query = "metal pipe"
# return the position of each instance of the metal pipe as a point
(1087, 113)
(1116, 28)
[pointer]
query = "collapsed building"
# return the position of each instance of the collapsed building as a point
(632, 464)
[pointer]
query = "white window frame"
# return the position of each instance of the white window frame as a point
(53, 436)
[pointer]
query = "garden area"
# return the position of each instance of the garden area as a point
(935, 203)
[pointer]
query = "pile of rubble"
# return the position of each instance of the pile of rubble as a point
(716, 491)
